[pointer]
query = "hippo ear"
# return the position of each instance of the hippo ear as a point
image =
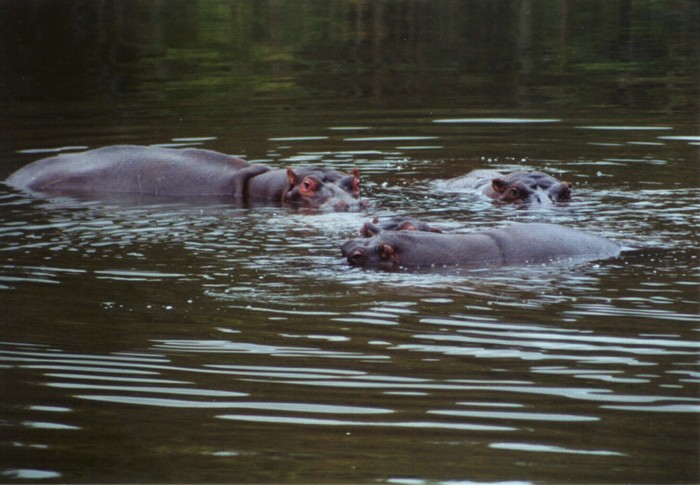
(292, 177)
(499, 185)
(386, 251)
(356, 180)
(369, 230)
(564, 191)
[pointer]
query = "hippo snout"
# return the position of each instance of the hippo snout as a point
(562, 192)
(344, 204)
(341, 206)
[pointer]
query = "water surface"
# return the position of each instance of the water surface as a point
(196, 341)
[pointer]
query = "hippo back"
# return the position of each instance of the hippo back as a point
(395, 223)
(479, 179)
(540, 242)
(136, 169)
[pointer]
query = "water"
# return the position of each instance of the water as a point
(166, 341)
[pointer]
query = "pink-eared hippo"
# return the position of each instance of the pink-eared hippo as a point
(515, 243)
(189, 172)
(514, 188)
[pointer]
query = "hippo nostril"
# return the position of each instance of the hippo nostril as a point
(341, 205)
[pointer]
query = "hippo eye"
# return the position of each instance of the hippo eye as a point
(308, 186)
(514, 192)
(356, 257)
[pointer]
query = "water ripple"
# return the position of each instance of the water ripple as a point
(518, 416)
(267, 406)
(498, 120)
(155, 390)
(540, 448)
(29, 474)
(612, 310)
(223, 346)
(369, 424)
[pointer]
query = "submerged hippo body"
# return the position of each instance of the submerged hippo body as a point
(517, 187)
(516, 243)
(190, 172)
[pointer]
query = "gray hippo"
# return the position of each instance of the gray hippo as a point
(517, 187)
(189, 172)
(516, 243)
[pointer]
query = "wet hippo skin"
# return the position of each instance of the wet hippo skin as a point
(516, 243)
(190, 172)
(517, 187)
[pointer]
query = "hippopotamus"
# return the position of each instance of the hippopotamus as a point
(189, 172)
(519, 187)
(395, 223)
(520, 243)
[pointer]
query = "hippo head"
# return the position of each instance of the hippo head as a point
(560, 192)
(398, 223)
(370, 252)
(394, 249)
(527, 187)
(323, 188)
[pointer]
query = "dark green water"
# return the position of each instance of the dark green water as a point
(199, 342)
